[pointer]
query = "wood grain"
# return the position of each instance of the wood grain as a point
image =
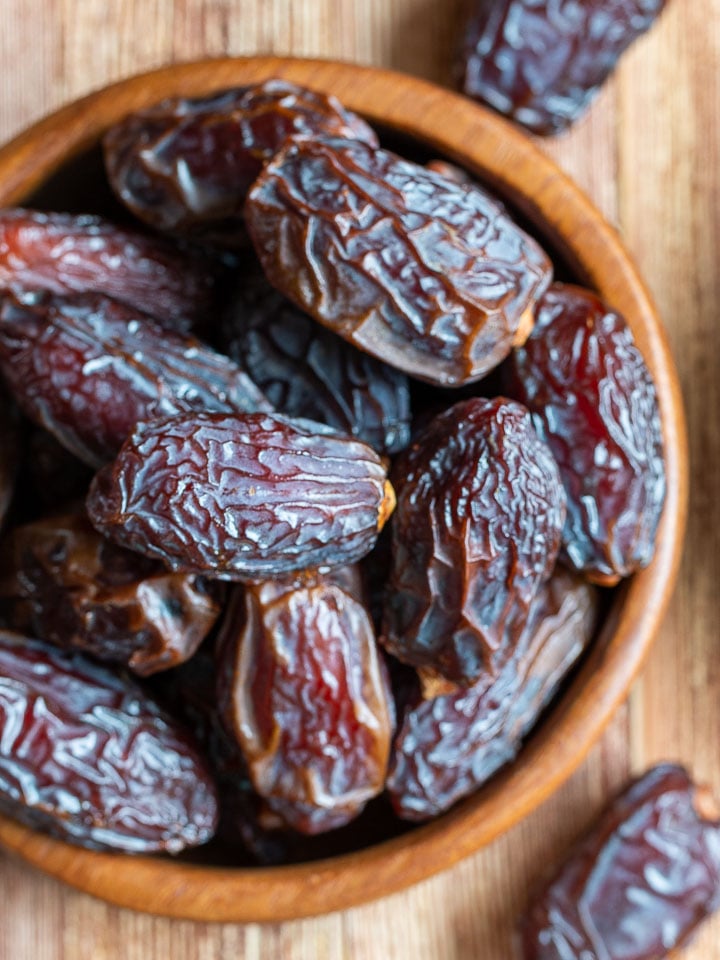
(649, 155)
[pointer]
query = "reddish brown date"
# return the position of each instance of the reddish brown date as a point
(541, 62)
(306, 697)
(242, 497)
(68, 254)
(186, 162)
(594, 402)
(306, 371)
(86, 756)
(429, 275)
(64, 583)
(449, 745)
(639, 884)
(477, 529)
(88, 368)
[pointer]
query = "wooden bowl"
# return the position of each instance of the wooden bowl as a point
(45, 165)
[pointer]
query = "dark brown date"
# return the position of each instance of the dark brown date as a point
(541, 62)
(305, 695)
(306, 371)
(449, 745)
(88, 757)
(68, 254)
(88, 369)
(639, 884)
(63, 582)
(9, 454)
(593, 401)
(242, 497)
(477, 529)
(189, 162)
(429, 275)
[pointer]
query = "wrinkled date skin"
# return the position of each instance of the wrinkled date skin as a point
(541, 62)
(88, 757)
(64, 583)
(449, 745)
(186, 162)
(242, 497)
(427, 274)
(88, 369)
(639, 884)
(477, 530)
(68, 254)
(593, 401)
(305, 694)
(306, 371)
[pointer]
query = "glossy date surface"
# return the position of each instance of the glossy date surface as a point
(593, 401)
(63, 582)
(306, 371)
(449, 745)
(639, 884)
(308, 701)
(188, 162)
(88, 368)
(65, 254)
(480, 510)
(242, 497)
(86, 755)
(541, 62)
(429, 275)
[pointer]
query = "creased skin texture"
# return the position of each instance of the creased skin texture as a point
(66, 253)
(448, 746)
(307, 698)
(638, 885)
(189, 162)
(594, 402)
(541, 62)
(87, 756)
(241, 497)
(88, 368)
(63, 582)
(429, 275)
(306, 371)
(476, 531)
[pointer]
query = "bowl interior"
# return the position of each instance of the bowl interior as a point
(58, 165)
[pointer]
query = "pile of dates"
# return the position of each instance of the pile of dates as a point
(278, 556)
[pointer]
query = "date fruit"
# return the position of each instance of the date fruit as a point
(188, 162)
(306, 371)
(63, 582)
(86, 756)
(9, 454)
(88, 368)
(242, 497)
(305, 694)
(541, 62)
(594, 403)
(477, 529)
(65, 254)
(449, 745)
(639, 884)
(429, 275)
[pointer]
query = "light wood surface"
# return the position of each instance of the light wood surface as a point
(648, 155)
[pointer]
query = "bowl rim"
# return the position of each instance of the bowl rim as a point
(464, 132)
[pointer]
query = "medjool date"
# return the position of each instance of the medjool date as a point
(306, 371)
(639, 884)
(542, 61)
(594, 403)
(87, 756)
(63, 582)
(477, 529)
(242, 497)
(88, 369)
(429, 275)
